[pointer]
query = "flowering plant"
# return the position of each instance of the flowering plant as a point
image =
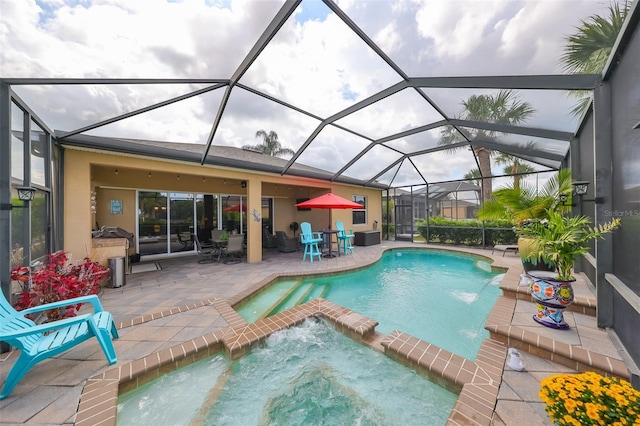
(58, 279)
(590, 399)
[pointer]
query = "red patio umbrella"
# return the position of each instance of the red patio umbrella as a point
(236, 208)
(329, 201)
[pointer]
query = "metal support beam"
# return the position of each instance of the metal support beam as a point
(269, 33)
(539, 82)
(603, 187)
(5, 189)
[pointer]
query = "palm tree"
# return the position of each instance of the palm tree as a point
(514, 166)
(474, 176)
(503, 108)
(518, 170)
(589, 48)
(526, 202)
(270, 144)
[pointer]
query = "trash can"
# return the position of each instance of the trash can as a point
(117, 265)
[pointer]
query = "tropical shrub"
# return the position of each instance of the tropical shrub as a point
(467, 232)
(58, 279)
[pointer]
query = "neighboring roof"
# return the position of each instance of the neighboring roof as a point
(456, 203)
(441, 190)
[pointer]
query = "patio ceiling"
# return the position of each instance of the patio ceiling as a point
(383, 131)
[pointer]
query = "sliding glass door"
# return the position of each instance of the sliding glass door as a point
(152, 223)
(180, 222)
(166, 221)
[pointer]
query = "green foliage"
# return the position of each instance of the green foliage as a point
(588, 49)
(525, 202)
(467, 232)
(561, 239)
(388, 228)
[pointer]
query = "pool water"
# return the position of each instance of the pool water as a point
(441, 297)
(306, 375)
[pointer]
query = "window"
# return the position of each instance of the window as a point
(360, 215)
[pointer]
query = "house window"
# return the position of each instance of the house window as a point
(360, 215)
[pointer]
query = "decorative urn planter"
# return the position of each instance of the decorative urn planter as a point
(552, 296)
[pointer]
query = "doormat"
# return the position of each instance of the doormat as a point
(145, 267)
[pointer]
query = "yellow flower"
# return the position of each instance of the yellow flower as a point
(570, 405)
(590, 399)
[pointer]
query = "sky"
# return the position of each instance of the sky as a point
(315, 62)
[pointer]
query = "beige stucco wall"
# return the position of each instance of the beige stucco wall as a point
(89, 170)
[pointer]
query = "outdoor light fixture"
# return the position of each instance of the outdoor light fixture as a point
(581, 187)
(563, 200)
(25, 194)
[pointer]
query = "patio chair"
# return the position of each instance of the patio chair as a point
(310, 241)
(235, 249)
(207, 253)
(39, 342)
(268, 240)
(187, 243)
(345, 240)
(286, 244)
(505, 248)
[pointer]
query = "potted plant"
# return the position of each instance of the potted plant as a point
(559, 240)
(58, 279)
(590, 399)
(524, 205)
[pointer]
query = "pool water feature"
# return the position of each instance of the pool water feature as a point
(441, 297)
(310, 374)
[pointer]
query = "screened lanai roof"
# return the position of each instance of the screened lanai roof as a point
(363, 91)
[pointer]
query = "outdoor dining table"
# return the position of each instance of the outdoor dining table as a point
(219, 245)
(329, 240)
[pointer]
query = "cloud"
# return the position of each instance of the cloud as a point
(315, 63)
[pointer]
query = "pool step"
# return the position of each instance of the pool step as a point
(278, 302)
(289, 299)
(299, 294)
(318, 291)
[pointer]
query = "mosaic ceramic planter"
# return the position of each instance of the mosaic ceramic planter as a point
(524, 248)
(552, 297)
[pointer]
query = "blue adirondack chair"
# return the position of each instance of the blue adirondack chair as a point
(39, 342)
(310, 240)
(345, 240)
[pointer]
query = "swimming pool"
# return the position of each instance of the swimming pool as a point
(441, 297)
(309, 374)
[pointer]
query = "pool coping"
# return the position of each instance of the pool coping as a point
(478, 393)
(476, 382)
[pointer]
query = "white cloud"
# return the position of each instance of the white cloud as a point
(318, 65)
(456, 27)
